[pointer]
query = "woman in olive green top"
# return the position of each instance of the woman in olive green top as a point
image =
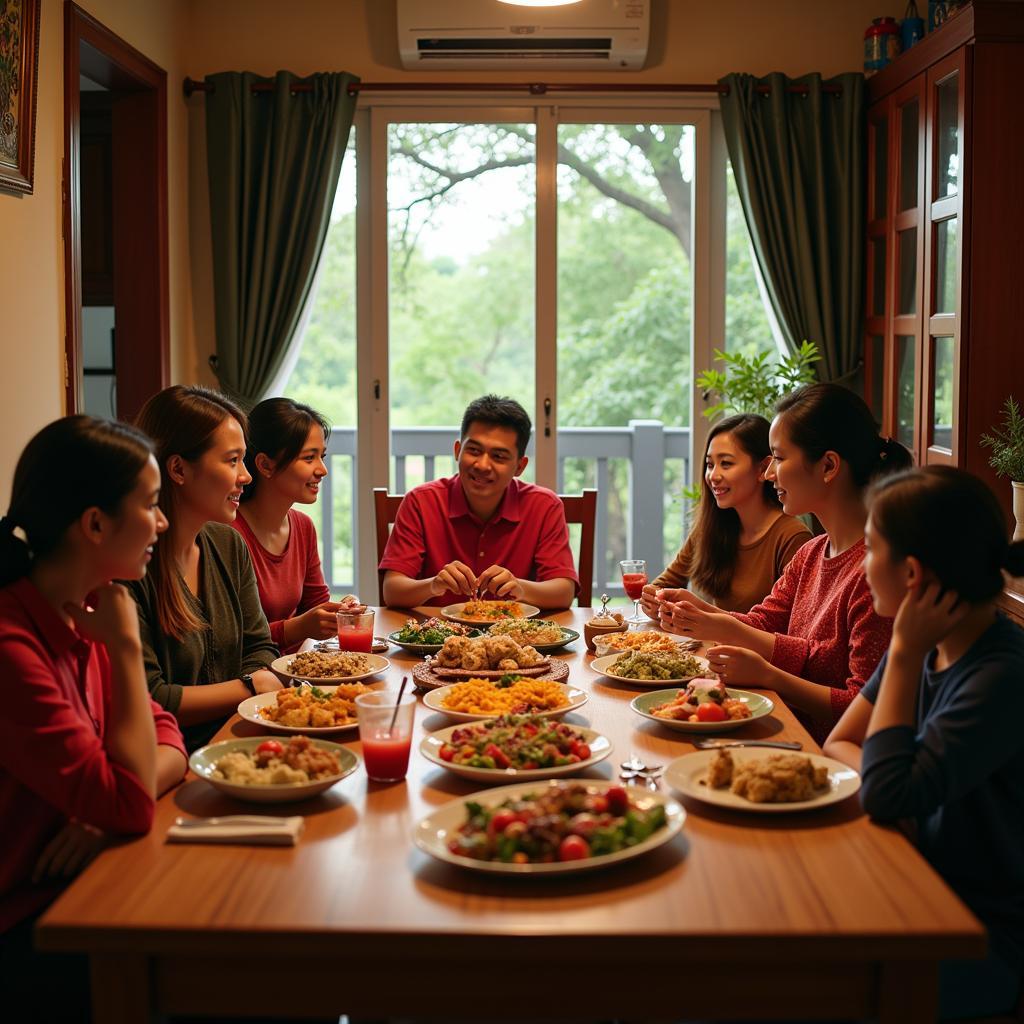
(206, 642)
(742, 540)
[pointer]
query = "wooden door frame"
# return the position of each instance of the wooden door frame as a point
(92, 48)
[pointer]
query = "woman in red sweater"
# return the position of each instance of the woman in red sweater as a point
(83, 750)
(816, 638)
(286, 458)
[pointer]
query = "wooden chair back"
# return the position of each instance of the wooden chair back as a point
(579, 508)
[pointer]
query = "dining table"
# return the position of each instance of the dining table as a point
(818, 914)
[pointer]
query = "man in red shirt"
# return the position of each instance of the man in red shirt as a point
(483, 530)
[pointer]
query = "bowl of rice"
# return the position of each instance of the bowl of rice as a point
(264, 770)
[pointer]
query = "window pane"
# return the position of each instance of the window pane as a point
(942, 420)
(907, 249)
(948, 158)
(461, 271)
(878, 276)
(881, 130)
(908, 155)
(747, 326)
(905, 400)
(877, 379)
(945, 266)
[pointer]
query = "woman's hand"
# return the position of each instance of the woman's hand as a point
(111, 619)
(689, 618)
(927, 613)
(649, 602)
(319, 623)
(737, 666)
(71, 850)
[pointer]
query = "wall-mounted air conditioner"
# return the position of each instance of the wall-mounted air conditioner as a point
(476, 35)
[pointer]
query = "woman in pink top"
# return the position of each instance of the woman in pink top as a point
(83, 749)
(286, 458)
(816, 638)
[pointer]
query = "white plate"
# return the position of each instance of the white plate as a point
(431, 834)
(249, 709)
(433, 699)
(603, 640)
(430, 748)
(685, 773)
(454, 612)
(601, 665)
(758, 705)
(202, 761)
(376, 662)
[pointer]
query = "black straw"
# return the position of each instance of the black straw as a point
(398, 704)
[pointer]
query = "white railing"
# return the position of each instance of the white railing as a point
(638, 470)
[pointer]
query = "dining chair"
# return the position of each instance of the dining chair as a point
(579, 508)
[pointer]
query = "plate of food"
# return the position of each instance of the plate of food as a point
(477, 612)
(557, 827)
(703, 705)
(428, 637)
(485, 657)
(643, 640)
(541, 634)
(305, 708)
(329, 667)
(746, 779)
(474, 699)
(651, 668)
(269, 772)
(515, 747)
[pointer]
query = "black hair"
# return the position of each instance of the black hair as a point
(99, 464)
(499, 412)
(827, 417)
(914, 513)
(278, 428)
(716, 532)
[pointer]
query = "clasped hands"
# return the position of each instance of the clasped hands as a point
(460, 579)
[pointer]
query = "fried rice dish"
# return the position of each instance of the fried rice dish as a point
(645, 665)
(521, 696)
(324, 665)
(488, 611)
(776, 779)
(642, 640)
(297, 761)
(528, 631)
(306, 707)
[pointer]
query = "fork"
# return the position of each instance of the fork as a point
(723, 744)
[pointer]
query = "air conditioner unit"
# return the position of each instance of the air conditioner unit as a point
(479, 35)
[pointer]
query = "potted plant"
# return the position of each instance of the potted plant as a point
(1007, 459)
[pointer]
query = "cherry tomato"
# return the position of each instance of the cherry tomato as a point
(711, 713)
(573, 848)
(598, 803)
(270, 747)
(500, 758)
(618, 799)
(499, 822)
(447, 752)
(583, 825)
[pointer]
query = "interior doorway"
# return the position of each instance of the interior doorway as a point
(115, 221)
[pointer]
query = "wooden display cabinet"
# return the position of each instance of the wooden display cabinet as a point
(944, 326)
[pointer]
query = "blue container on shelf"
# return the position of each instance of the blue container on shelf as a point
(911, 27)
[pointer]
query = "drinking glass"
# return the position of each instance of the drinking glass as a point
(355, 631)
(634, 579)
(385, 730)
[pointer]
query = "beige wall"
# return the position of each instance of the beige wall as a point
(693, 41)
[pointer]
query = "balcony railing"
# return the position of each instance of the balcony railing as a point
(638, 470)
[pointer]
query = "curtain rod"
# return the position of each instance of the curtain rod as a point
(191, 85)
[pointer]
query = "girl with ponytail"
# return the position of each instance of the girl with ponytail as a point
(83, 750)
(815, 639)
(936, 732)
(205, 639)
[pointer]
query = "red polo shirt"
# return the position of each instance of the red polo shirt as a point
(53, 763)
(434, 526)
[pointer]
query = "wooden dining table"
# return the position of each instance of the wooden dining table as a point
(818, 914)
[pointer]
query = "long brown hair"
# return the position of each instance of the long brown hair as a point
(181, 421)
(716, 533)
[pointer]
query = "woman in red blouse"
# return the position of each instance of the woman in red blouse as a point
(84, 752)
(816, 638)
(286, 458)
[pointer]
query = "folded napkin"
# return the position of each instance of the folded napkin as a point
(251, 829)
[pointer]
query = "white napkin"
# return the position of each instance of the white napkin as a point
(251, 829)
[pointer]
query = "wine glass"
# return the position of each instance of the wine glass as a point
(634, 579)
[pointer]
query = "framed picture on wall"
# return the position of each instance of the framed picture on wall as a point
(19, 72)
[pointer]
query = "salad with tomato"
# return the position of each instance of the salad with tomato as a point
(566, 821)
(523, 742)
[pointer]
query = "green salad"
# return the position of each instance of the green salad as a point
(432, 631)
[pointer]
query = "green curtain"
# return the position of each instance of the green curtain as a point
(799, 161)
(273, 160)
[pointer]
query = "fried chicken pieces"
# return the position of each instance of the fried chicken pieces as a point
(777, 778)
(486, 652)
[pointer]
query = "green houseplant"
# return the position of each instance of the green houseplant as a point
(1007, 458)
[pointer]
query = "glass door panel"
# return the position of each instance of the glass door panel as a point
(907, 269)
(947, 138)
(909, 130)
(461, 201)
(942, 410)
(878, 276)
(905, 398)
(880, 130)
(945, 266)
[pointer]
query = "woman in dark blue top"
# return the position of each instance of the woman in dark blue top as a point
(938, 731)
